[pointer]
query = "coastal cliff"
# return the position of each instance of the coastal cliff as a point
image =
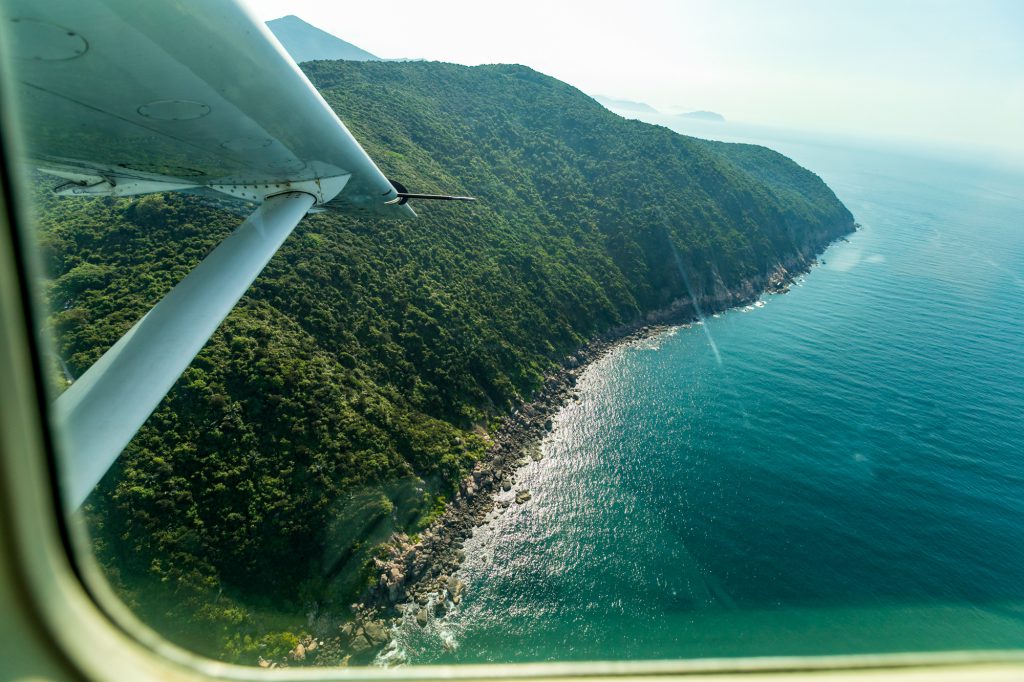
(375, 365)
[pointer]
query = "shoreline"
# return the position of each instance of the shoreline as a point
(416, 580)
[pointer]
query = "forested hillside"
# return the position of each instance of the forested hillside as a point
(355, 383)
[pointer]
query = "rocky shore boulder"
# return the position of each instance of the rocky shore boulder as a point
(375, 633)
(362, 636)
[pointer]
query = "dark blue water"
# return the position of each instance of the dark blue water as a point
(839, 470)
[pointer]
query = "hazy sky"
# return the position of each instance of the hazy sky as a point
(932, 70)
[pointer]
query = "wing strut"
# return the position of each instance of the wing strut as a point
(102, 410)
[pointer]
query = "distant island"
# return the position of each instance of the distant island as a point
(704, 116)
(305, 42)
(625, 105)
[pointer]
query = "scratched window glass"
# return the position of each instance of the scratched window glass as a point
(532, 333)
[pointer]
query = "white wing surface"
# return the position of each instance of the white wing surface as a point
(130, 96)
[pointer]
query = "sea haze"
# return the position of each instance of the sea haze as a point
(845, 474)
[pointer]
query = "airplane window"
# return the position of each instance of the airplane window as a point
(669, 331)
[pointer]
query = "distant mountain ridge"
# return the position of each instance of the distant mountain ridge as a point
(305, 42)
(625, 105)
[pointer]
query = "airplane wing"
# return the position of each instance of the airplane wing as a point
(122, 97)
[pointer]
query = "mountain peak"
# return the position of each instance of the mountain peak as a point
(305, 42)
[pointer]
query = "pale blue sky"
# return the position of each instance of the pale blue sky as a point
(946, 71)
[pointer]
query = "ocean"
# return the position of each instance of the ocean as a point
(839, 469)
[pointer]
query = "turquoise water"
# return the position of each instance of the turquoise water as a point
(846, 474)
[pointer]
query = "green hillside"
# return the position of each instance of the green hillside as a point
(354, 384)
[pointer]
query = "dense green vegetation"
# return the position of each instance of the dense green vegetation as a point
(355, 382)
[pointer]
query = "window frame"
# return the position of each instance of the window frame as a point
(59, 622)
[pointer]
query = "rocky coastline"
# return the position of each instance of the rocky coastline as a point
(416, 578)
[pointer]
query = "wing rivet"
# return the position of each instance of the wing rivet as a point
(41, 41)
(174, 110)
(247, 144)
